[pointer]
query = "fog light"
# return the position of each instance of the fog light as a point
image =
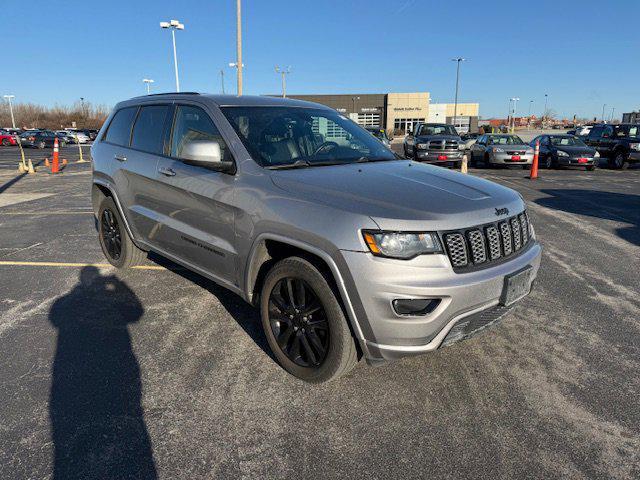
(415, 306)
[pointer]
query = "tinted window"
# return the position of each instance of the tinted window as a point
(192, 123)
(120, 127)
(596, 132)
(148, 131)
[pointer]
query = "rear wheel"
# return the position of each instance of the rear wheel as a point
(304, 323)
(117, 246)
(5, 142)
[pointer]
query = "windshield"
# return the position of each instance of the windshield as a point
(281, 136)
(505, 140)
(437, 130)
(567, 142)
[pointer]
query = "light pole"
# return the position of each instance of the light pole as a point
(284, 73)
(544, 114)
(174, 25)
(222, 79)
(529, 115)
(9, 98)
(353, 100)
(455, 105)
(603, 107)
(613, 110)
(513, 117)
(148, 82)
(239, 65)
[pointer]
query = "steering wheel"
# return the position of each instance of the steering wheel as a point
(326, 147)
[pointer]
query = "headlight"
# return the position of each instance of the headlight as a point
(401, 245)
(562, 154)
(498, 150)
(634, 146)
(422, 146)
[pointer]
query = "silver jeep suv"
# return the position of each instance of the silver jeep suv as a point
(347, 250)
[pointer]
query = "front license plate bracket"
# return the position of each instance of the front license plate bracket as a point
(516, 286)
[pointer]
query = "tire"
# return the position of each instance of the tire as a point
(486, 163)
(333, 348)
(111, 225)
(548, 162)
(620, 161)
(41, 145)
(5, 142)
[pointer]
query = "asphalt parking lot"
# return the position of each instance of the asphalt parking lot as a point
(157, 372)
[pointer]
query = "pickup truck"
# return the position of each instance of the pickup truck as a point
(619, 144)
(436, 143)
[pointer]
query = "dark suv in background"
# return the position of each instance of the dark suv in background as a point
(619, 144)
(437, 143)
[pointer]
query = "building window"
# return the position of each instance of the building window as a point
(405, 125)
(369, 119)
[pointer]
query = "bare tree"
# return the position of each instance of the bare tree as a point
(29, 115)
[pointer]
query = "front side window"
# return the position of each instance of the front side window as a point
(148, 131)
(193, 124)
(119, 131)
(283, 136)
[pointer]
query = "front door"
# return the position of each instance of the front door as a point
(196, 204)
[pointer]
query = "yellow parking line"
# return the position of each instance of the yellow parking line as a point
(73, 265)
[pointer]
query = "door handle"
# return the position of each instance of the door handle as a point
(120, 158)
(167, 172)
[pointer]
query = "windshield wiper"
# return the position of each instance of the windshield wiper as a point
(285, 166)
(374, 159)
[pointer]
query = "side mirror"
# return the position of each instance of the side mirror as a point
(207, 154)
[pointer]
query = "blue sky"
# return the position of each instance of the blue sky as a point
(583, 54)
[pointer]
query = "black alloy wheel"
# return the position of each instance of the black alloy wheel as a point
(548, 162)
(111, 235)
(299, 322)
(620, 161)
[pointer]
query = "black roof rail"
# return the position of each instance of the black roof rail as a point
(167, 93)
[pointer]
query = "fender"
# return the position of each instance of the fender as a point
(109, 187)
(316, 251)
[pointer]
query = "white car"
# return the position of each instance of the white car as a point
(81, 137)
(584, 130)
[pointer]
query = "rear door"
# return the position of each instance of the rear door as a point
(136, 137)
(196, 207)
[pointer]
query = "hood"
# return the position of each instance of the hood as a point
(576, 150)
(425, 138)
(402, 194)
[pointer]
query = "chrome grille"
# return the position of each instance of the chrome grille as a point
(457, 249)
(443, 145)
(476, 242)
(517, 234)
(493, 236)
(487, 243)
(507, 244)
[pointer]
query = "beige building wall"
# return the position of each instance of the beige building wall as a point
(411, 107)
(464, 109)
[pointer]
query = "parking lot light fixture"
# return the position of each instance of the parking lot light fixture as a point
(602, 117)
(353, 100)
(148, 82)
(459, 60)
(284, 73)
(513, 116)
(9, 98)
(544, 114)
(174, 25)
(239, 64)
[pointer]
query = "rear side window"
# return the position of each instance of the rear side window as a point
(148, 131)
(119, 130)
(192, 123)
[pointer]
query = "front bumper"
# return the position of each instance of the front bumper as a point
(378, 281)
(634, 156)
(506, 159)
(436, 156)
(574, 161)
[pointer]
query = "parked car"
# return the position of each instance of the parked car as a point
(89, 132)
(39, 139)
(67, 136)
(7, 138)
(619, 144)
(81, 137)
(346, 250)
(380, 134)
(566, 151)
(436, 143)
(500, 149)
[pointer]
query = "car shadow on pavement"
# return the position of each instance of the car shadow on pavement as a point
(95, 409)
(620, 207)
(244, 314)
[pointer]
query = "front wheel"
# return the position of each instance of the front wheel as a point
(117, 246)
(548, 162)
(304, 323)
(5, 142)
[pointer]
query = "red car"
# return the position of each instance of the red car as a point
(7, 139)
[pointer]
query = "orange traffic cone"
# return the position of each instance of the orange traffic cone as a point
(55, 168)
(534, 165)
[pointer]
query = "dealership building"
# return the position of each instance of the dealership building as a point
(397, 113)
